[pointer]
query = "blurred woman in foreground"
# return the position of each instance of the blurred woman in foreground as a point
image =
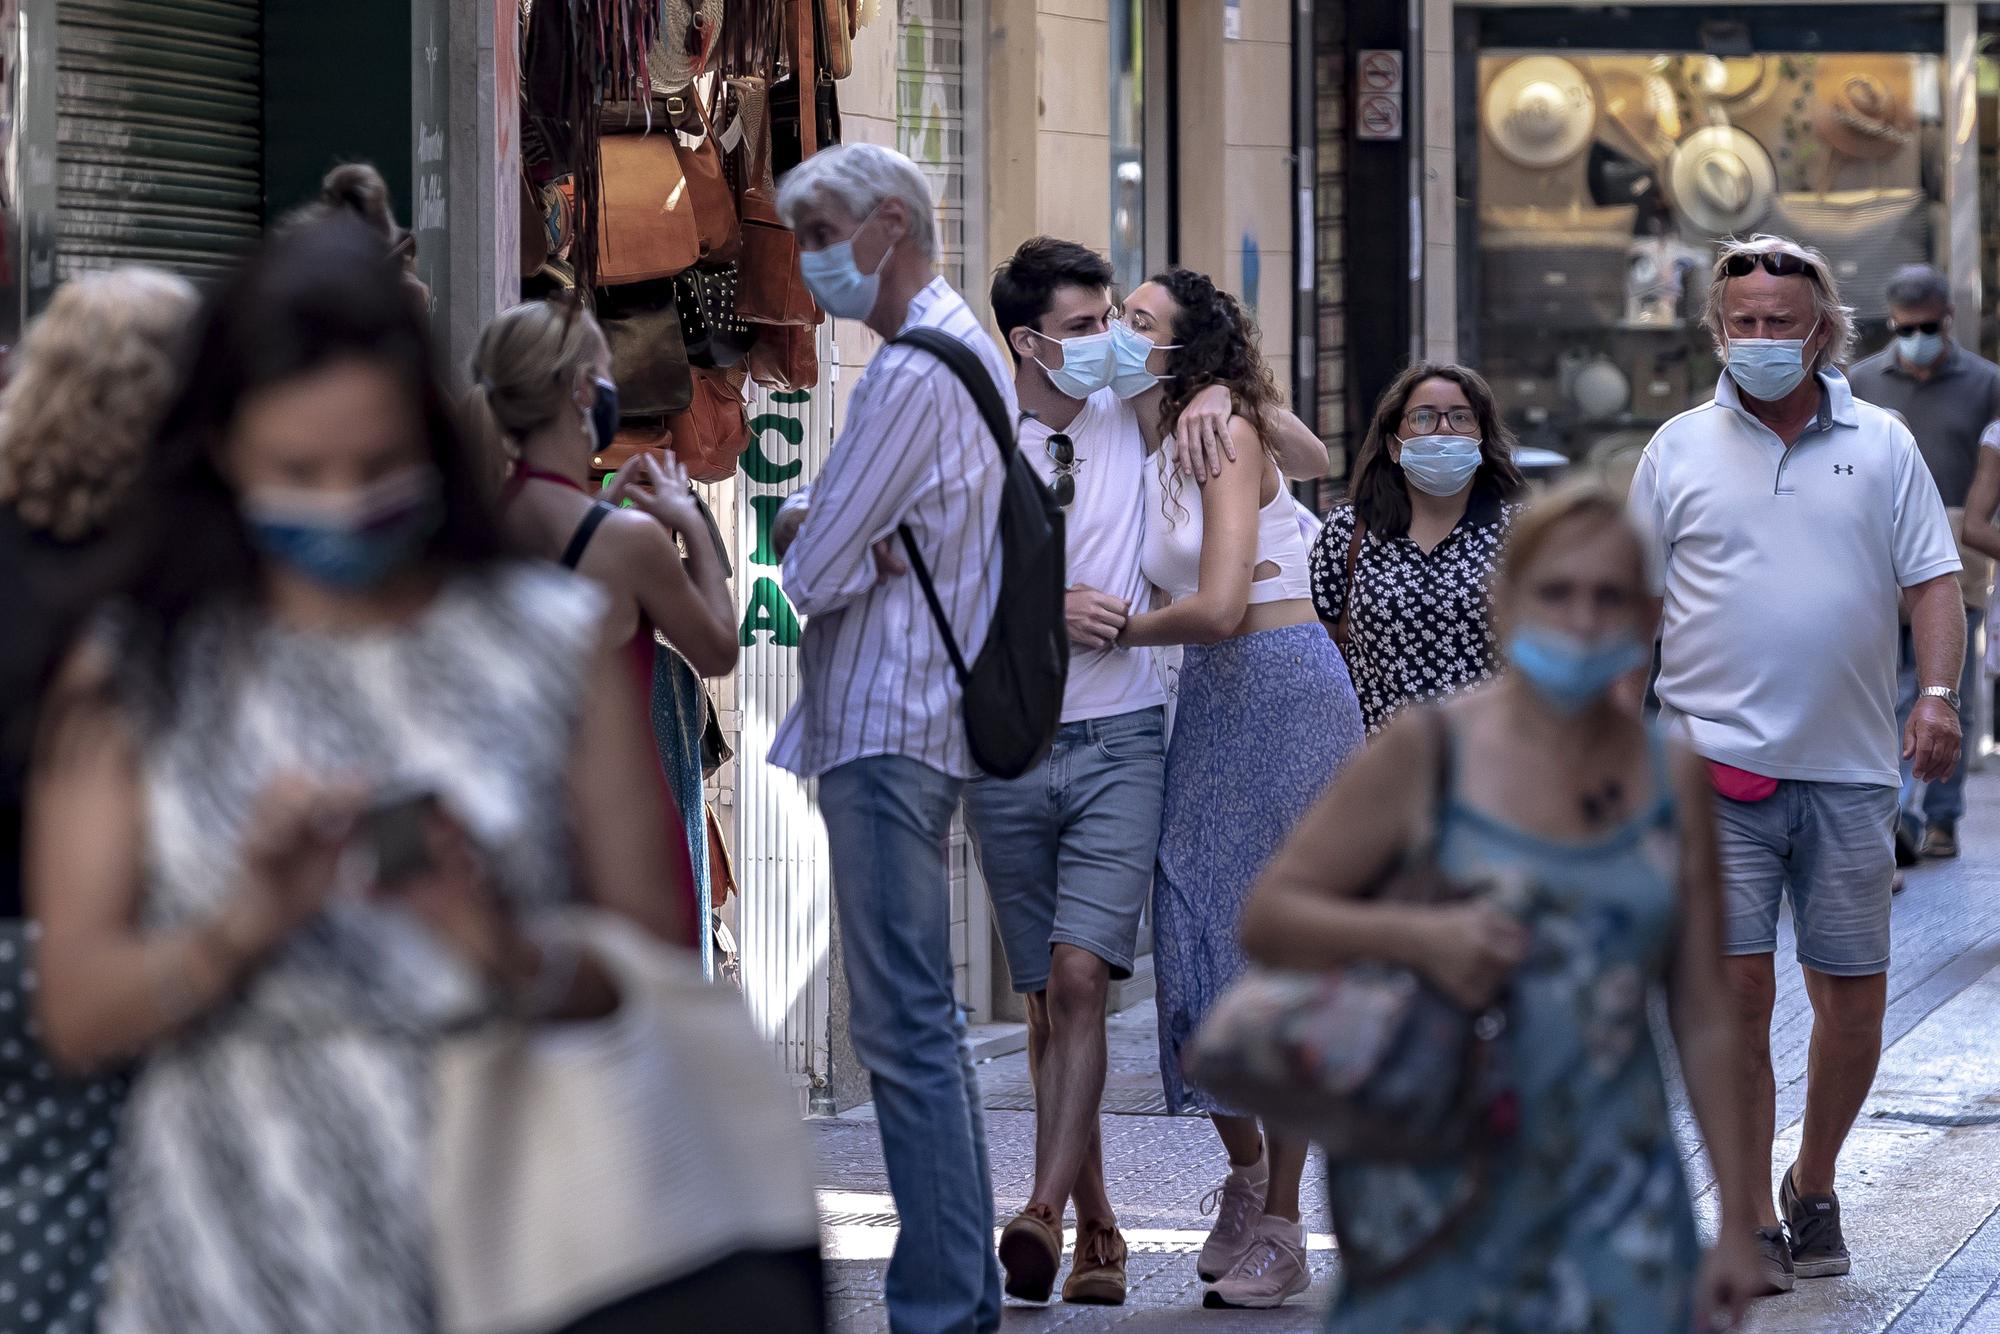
(286, 805)
(1597, 835)
(89, 383)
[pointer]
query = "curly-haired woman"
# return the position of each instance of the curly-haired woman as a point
(1265, 717)
(1406, 565)
(91, 380)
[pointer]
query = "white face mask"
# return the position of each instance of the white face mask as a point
(1130, 352)
(1767, 369)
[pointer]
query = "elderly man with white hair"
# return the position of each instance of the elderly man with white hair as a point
(1789, 518)
(877, 721)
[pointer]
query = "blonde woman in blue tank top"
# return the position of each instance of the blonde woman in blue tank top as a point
(1264, 717)
(1601, 830)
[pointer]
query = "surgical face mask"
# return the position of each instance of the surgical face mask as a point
(1441, 465)
(352, 540)
(604, 415)
(1919, 349)
(837, 282)
(1768, 368)
(1086, 363)
(1130, 350)
(1567, 672)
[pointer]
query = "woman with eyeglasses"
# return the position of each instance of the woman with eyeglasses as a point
(1265, 717)
(1400, 573)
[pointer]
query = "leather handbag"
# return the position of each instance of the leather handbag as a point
(649, 358)
(836, 21)
(1343, 629)
(785, 356)
(646, 224)
(716, 226)
(770, 288)
(805, 104)
(1368, 1060)
(709, 437)
(575, 1164)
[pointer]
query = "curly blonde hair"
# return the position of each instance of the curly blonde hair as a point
(91, 379)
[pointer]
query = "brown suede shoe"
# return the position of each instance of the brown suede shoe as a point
(1031, 1251)
(1098, 1276)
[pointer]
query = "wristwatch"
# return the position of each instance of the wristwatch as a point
(1945, 693)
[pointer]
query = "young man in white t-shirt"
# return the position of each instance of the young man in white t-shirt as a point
(1068, 848)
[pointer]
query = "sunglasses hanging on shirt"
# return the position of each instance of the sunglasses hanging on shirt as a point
(1062, 453)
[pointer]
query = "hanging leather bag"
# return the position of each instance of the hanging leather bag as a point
(770, 288)
(711, 435)
(785, 356)
(646, 225)
(717, 230)
(835, 19)
(649, 357)
(805, 104)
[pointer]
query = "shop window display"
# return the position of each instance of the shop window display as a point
(1603, 181)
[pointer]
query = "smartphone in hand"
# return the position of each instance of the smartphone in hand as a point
(395, 828)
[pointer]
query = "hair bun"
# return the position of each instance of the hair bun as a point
(359, 187)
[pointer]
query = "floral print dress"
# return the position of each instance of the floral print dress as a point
(1585, 1226)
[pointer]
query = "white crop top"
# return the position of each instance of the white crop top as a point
(1172, 550)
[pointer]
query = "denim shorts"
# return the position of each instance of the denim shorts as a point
(1832, 845)
(1067, 848)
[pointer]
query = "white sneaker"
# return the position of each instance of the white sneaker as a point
(1237, 1204)
(1270, 1273)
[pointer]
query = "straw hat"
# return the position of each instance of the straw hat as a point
(1540, 111)
(1740, 83)
(1859, 117)
(1722, 180)
(688, 29)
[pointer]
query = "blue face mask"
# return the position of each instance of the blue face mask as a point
(604, 415)
(1130, 350)
(837, 282)
(1086, 363)
(1570, 674)
(1768, 368)
(350, 541)
(1919, 349)
(1441, 465)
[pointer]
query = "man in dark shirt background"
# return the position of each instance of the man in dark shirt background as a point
(1947, 396)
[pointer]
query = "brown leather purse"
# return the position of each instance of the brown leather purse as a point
(770, 288)
(712, 434)
(646, 225)
(716, 227)
(785, 356)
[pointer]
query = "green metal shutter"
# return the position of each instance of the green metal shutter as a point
(160, 134)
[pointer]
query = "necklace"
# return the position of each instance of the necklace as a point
(1601, 802)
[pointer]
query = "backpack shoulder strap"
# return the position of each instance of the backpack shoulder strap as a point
(964, 363)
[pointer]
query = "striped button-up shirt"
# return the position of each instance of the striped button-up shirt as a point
(877, 679)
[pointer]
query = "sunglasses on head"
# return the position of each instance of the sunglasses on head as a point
(1777, 263)
(1062, 453)
(1922, 326)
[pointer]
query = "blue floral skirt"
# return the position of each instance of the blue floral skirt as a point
(1261, 725)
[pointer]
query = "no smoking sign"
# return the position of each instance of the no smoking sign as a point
(1378, 95)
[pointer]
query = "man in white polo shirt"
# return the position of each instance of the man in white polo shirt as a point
(1788, 518)
(1068, 848)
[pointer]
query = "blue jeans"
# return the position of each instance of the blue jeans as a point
(1942, 802)
(887, 821)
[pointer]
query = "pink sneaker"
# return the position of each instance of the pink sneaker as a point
(1237, 1205)
(1270, 1273)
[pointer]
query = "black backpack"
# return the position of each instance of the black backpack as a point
(1014, 691)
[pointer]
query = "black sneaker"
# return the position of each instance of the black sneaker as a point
(1774, 1252)
(1906, 846)
(1818, 1249)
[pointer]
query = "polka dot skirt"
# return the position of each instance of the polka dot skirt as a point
(56, 1137)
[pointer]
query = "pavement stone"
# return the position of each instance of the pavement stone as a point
(1919, 1188)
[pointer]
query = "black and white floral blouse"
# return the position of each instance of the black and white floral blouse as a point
(1422, 623)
